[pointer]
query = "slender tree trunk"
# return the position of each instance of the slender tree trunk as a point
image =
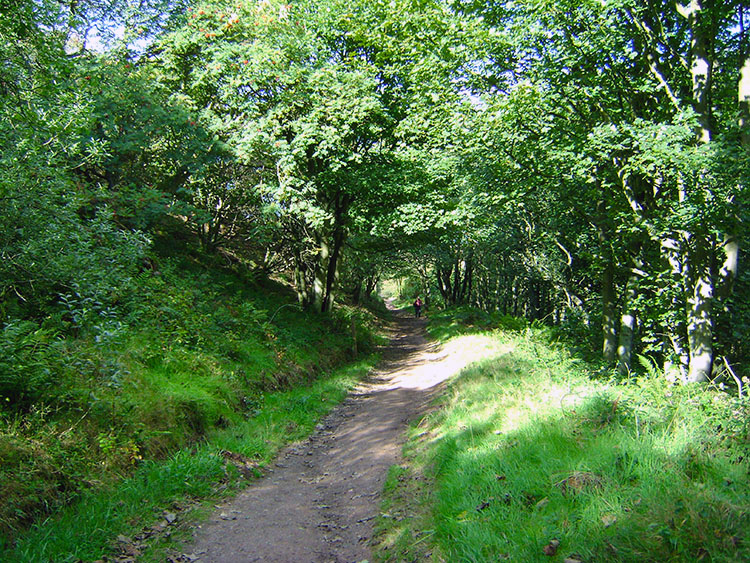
(743, 94)
(370, 284)
(700, 285)
(465, 293)
(533, 300)
(627, 327)
(609, 319)
(701, 70)
(445, 286)
(456, 281)
(498, 304)
(675, 350)
(728, 272)
(300, 279)
(700, 312)
(320, 275)
(339, 236)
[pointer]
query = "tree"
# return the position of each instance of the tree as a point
(314, 97)
(615, 115)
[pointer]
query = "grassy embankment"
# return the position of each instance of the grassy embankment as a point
(194, 384)
(532, 455)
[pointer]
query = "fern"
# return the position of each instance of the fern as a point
(649, 364)
(25, 363)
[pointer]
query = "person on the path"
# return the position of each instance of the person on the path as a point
(418, 307)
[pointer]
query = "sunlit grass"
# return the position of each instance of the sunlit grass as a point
(526, 449)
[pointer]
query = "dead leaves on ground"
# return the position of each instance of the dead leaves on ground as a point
(247, 467)
(130, 548)
(551, 549)
(579, 481)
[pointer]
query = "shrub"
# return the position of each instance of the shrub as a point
(26, 366)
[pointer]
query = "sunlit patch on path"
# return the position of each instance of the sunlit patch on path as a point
(320, 499)
(432, 366)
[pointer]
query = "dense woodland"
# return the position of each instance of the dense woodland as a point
(579, 163)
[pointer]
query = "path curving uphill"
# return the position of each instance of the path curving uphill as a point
(321, 499)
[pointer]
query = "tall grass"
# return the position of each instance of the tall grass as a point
(530, 458)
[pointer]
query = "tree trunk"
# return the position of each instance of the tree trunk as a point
(300, 279)
(700, 287)
(728, 272)
(743, 94)
(533, 300)
(456, 282)
(609, 321)
(339, 235)
(675, 349)
(699, 302)
(701, 70)
(466, 285)
(370, 285)
(444, 284)
(627, 327)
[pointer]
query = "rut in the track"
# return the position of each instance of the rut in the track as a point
(319, 502)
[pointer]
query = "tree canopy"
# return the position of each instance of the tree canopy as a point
(582, 164)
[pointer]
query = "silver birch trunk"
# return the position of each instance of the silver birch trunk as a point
(609, 316)
(627, 327)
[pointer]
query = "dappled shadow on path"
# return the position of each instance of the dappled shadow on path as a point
(410, 362)
(320, 500)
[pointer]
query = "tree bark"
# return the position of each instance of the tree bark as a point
(339, 235)
(609, 315)
(319, 278)
(700, 285)
(444, 284)
(466, 284)
(743, 94)
(456, 281)
(728, 273)
(627, 327)
(300, 279)
(699, 302)
(701, 69)
(370, 285)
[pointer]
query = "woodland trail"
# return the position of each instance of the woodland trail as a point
(319, 502)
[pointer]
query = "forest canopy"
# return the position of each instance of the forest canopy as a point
(582, 163)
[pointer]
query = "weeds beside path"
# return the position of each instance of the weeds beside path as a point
(320, 500)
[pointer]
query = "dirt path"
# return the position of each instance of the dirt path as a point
(319, 502)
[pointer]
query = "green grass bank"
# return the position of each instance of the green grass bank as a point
(533, 455)
(189, 385)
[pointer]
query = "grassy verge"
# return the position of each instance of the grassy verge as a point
(119, 519)
(529, 457)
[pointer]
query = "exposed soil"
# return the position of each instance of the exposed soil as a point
(320, 499)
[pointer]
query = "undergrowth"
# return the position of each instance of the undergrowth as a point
(94, 393)
(529, 457)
